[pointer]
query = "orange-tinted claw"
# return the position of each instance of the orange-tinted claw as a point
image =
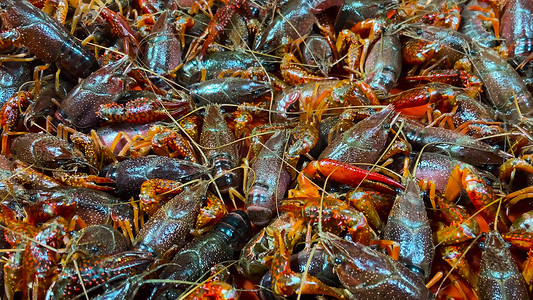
(10, 109)
(440, 94)
(416, 52)
(522, 240)
(99, 179)
(462, 228)
(305, 188)
(455, 77)
(210, 214)
(92, 180)
(368, 92)
(87, 181)
(353, 57)
(190, 126)
(217, 24)
(294, 74)
(151, 188)
(370, 201)
(58, 9)
(121, 28)
(456, 233)
(142, 110)
(453, 256)
(345, 173)
(523, 163)
(336, 214)
(176, 142)
(217, 290)
(480, 193)
(26, 175)
(286, 282)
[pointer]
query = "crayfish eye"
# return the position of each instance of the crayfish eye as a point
(386, 126)
(419, 32)
(528, 160)
(94, 249)
(3, 5)
(337, 260)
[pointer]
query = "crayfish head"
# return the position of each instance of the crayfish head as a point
(8, 18)
(494, 240)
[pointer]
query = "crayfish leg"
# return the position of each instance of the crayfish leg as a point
(392, 247)
(524, 193)
(287, 282)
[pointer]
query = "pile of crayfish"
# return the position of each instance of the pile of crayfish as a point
(266, 149)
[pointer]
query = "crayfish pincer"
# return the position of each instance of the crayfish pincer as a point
(130, 174)
(97, 270)
(363, 142)
(173, 222)
(218, 245)
(45, 151)
(368, 274)
(104, 86)
(45, 37)
(295, 20)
